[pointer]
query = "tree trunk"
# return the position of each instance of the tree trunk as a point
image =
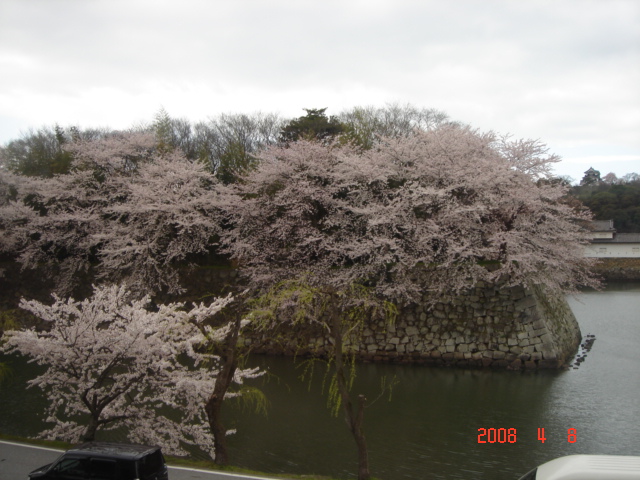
(213, 406)
(354, 420)
(89, 434)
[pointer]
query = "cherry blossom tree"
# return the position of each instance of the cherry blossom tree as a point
(135, 213)
(111, 362)
(427, 214)
(129, 213)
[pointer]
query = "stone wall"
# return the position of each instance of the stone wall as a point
(618, 269)
(490, 326)
(494, 327)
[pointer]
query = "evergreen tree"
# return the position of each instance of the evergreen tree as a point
(315, 125)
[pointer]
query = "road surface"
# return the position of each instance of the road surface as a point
(17, 460)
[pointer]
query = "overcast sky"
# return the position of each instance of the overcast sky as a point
(563, 71)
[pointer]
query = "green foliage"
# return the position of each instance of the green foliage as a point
(297, 301)
(620, 203)
(163, 131)
(330, 381)
(5, 372)
(315, 125)
(234, 161)
(9, 320)
(40, 153)
(329, 378)
(251, 399)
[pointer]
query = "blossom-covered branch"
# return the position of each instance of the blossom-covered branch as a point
(112, 362)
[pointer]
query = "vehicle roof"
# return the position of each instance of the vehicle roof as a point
(591, 467)
(113, 450)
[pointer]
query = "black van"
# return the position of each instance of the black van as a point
(106, 461)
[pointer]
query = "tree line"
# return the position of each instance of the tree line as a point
(226, 144)
(612, 198)
(330, 221)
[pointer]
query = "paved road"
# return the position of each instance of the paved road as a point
(17, 460)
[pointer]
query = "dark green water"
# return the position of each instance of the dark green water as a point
(429, 429)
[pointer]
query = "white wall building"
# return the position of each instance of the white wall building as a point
(607, 243)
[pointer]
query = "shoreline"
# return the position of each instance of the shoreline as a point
(618, 269)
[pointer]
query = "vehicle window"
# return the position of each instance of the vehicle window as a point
(127, 470)
(72, 468)
(152, 463)
(103, 469)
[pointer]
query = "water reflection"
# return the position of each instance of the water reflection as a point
(429, 429)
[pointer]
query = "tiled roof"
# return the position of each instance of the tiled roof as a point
(619, 238)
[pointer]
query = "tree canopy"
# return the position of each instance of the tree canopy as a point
(618, 201)
(110, 361)
(449, 200)
(315, 125)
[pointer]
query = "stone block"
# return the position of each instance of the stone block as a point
(539, 332)
(524, 303)
(439, 314)
(515, 365)
(411, 331)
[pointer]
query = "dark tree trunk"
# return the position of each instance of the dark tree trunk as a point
(213, 406)
(354, 419)
(89, 434)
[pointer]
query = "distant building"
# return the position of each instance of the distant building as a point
(607, 243)
(591, 177)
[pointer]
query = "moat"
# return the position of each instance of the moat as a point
(430, 428)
